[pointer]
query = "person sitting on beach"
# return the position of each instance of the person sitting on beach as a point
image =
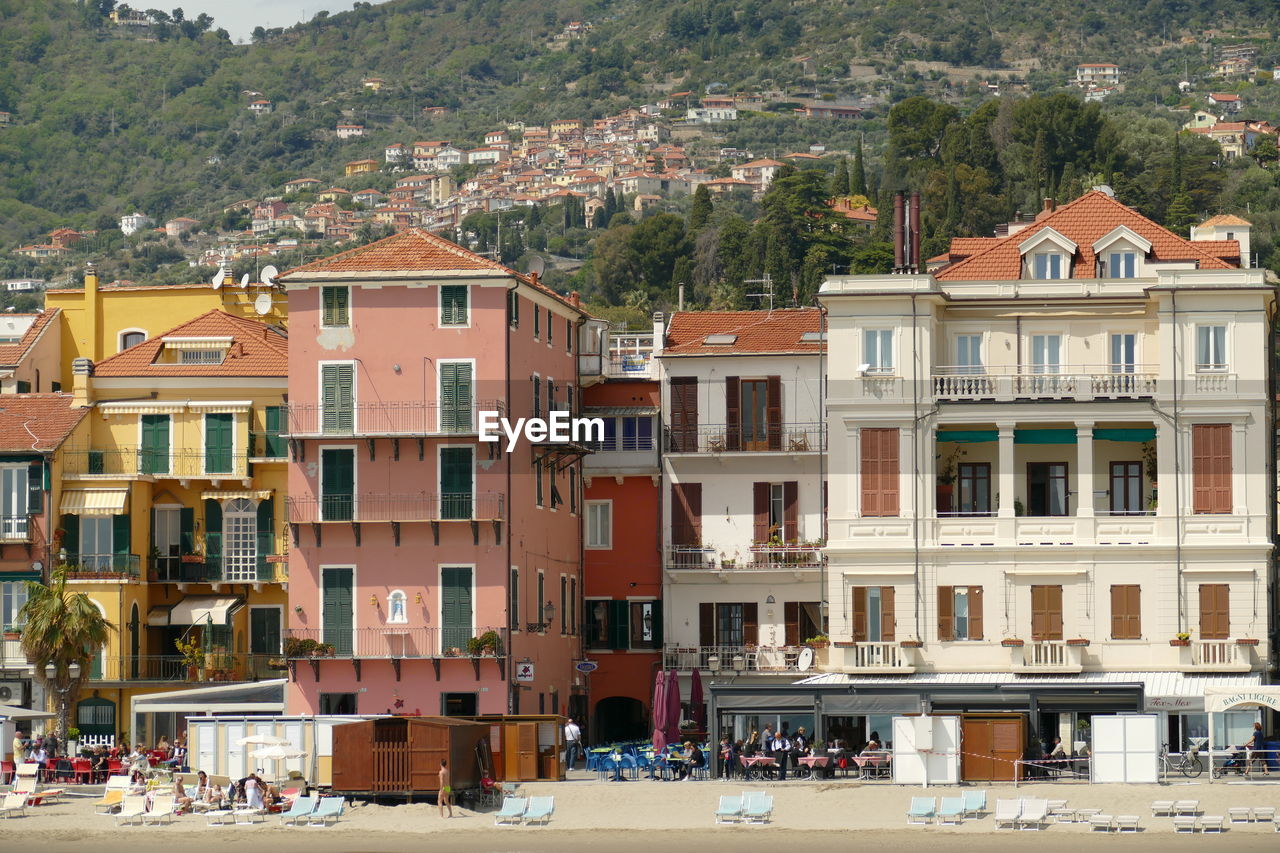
(180, 796)
(202, 786)
(488, 784)
(177, 755)
(216, 797)
(162, 745)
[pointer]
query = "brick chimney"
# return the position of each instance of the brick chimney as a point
(1048, 206)
(81, 382)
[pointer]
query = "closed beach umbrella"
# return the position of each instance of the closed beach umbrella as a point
(658, 712)
(673, 706)
(697, 708)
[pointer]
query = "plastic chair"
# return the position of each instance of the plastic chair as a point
(6, 772)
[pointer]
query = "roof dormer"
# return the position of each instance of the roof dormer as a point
(193, 350)
(1047, 254)
(1119, 253)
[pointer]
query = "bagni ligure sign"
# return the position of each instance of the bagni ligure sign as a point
(1218, 701)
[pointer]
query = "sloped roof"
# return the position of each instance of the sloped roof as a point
(1083, 221)
(1225, 219)
(38, 422)
(257, 349)
(757, 332)
(12, 354)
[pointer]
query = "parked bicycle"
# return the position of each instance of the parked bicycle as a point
(1188, 763)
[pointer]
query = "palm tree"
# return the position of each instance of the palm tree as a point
(62, 628)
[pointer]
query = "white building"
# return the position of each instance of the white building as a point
(710, 115)
(1227, 227)
(1048, 467)
(742, 467)
(1092, 74)
(350, 131)
(131, 223)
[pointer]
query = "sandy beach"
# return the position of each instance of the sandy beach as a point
(638, 815)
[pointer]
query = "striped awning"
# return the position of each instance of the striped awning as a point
(196, 610)
(94, 501)
(194, 343)
(143, 408)
(216, 406)
(251, 494)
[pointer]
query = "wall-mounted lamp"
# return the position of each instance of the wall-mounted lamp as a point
(417, 598)
(373, 600)
(297, 608)
(770, 600)
(396, 368)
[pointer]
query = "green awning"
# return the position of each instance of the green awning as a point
(968, 436)
(1044, 436)
(1140, 434)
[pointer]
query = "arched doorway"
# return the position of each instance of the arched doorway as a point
(619, 718)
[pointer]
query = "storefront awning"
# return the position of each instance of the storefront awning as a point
(226, 495)
(196, 610)
(1218, 699)
(13, 712)
(259, 696)
(94, 501)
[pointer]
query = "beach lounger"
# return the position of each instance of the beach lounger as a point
(512, 811)
(923, 810)
(1185, 823)
(1101, 823)
(539, 811)
(15, 803)
(1240, 814)
(327, 809)
(1213, 823)
(220, 817)
(1162, 808)
(300, 808)
(163, 807)
(1035, 814)
(757, 807)
(110, 802)
(729, 810)
(1127, 823)
(246, 816)
(1186, 807)
(951, 811)
(132, 809)
(1062, 814)
(1007, 813)
(975, 803)
(1264, 814)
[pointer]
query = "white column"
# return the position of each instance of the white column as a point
(1084, 469)
(929, 471)
(1240, 470)
(1005, 474)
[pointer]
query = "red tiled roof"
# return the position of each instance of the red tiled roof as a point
(778, 331)
(1224, 219)
(1221, 248)
(256, 350)
(48, 417)
(1084, 221)
(12, 354)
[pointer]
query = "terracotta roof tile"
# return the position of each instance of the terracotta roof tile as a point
(48, 417)
(1083, 221)
(1225, 219)
(12, 354)
(257, 349)
(778, 331)
(1221, 248)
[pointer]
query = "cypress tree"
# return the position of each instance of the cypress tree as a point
(858, 180)
(839, 186)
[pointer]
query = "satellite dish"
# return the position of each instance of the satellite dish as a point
(244, 280)
(219, 277)
(269, 274)
(263, 303)
(805, 661)
(537, 266)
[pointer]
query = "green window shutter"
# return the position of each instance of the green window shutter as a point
(455, 482)
(455, 397)
(264, 631)
(455, 606)
(337, 608)
(70, 525)
(35, 487)
(619, 624)
(24, 387)
(155, 444)
(335, 306)
(218, 436)
(266, 538)
(338, 398)
(337, 484)
(120, 536)
(453, 305)
(187, 530)
(657, 624)
(213, 535)
(273, 444)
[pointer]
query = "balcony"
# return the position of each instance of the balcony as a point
(733, 660)
(197, 569)
(867, 658)
(15, 528)
(1046, 656)
(173, 668)
(93, 567)
(122, 463)
(387, 419)
(763, 557)
(1216, 656)
(630, 356)
(11, 654)
(375, 506)
(267, 446)
(1061, 382)
(736, 438)
(393, 642)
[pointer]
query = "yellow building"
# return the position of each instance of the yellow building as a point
(172, 511)
(356, 167)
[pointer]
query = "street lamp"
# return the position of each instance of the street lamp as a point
(548, 615)
(63, 690)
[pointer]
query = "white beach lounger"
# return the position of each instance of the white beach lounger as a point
(1240, 814)
(246, 816)
(1035, 814)
(923, 810)
(15, 803)
(162, 808)
(1101, 823)
(729, 810)
(220, 817)
(301, 808)
(951, 811)
(539, 811)
(1162, 808)
(1213, 823)
(1185, 823)
(1007, 813)
(1127, 823)
(328, 809)
(757, 807)
(1186, 807)
(132, 809)
(975, 803)
(1264, 814)
(512, 811)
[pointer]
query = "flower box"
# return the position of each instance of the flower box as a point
(1078, 641)
(1178, 642)
(277, 558)
(1247, 641)
(1010, 643)
(912, 644)
(192, 558)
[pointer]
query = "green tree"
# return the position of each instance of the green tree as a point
(1181, 215)
(839, 186)
(858, 177)
(1265, 150)
(63, 628)
(701, 209)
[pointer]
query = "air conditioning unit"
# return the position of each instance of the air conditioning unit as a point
(10, 692)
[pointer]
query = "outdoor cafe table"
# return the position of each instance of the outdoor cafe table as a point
(763, 762)
(815, 762)
(871, 763)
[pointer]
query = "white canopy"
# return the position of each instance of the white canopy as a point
(1219, 699)
(13, 712)
(196, 610)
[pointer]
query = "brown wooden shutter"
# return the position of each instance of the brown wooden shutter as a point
(684, 414)
(760, 503)
(886, 614)
(880, 472)
(975, 613)
(790, 511)
(750, 624)
(946, 613)
(706, 624)
(869, 471)
(1126, 612)
(1211, 468)
(686, 513)
(773, 412)
(859, 614)
(1215, 616)
(791, 617)
(732, 413)
(1046, 612)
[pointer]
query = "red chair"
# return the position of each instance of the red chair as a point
(82, 770)
(114, 767)
(7, 771)
(158, 756)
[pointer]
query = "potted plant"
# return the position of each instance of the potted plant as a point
(1012, 643)
(1247, 641)
(299, 648)
(452, 652)
(192, 657)
(193, 557)
(911, 644)
(1182, 638)
(947, 478)
(12, 632)
(73, 740)
(821, 641)
(324, 650)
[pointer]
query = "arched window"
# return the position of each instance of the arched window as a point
(131, 338)
(397, 607)
(240, 540)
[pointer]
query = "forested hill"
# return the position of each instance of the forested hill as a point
(107, 116)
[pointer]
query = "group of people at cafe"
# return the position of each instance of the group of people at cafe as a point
(787, 748)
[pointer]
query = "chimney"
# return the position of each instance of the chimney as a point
(575, 299)
(899, 253)
(81, 380)
(91, 311)
(1047, 206)
(659, 332)
(913, 259)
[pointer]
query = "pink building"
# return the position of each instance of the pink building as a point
(411, 539)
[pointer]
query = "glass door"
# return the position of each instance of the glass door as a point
(755, 432)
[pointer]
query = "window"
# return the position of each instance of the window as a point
(264, 630)
(600, 524)
(537, 479)
(1124, 352)
(455, 607)
(537, 397)
(1126, 488)
(337, 483)
(873, 614)
(537, 322)
(1215, 611)
(728, 624)
(338, 704)
(336, 305)
(573, 605)
(513, 309)
(775, 510)
(16, 487)
(1047, 488)
(459, 704)
(96, 549)
(626, 434)
(959, 613)
(568, 335)
(337, 398)
(454, 304)
(131, 339)
(564, 605)
(686, 514)
(13, 595)
(551, 327)
(1046, 265)
(573, 490)
(1046, 612)
(1211, 349)
(552, 476)
(240, 540)
(1126, 611)
(271, 444)
(877, 351)
(219, 430)
(540, 603)
(200, 356)
(969, 353)
(1046, 353)
(684, 413)
(1122, 265)
(645, 622)
(973, 493)
(753, 414)
(514, 604)
(879, 472)
(155, 444)
(455, 397)
(457, 482)
(1211, 484)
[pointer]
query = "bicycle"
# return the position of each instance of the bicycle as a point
(1189, 763)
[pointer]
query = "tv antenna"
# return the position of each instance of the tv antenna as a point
(262, 305)
(269, 273)
(767, 291)
(244, 281)
(219, 277)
